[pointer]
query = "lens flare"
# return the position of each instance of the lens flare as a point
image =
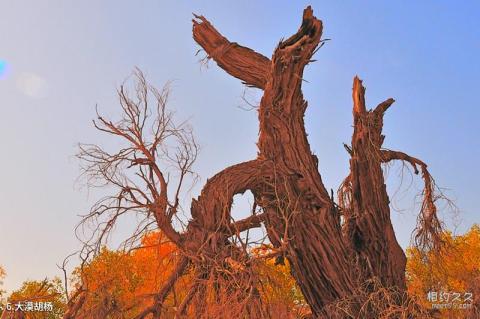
(3, 68)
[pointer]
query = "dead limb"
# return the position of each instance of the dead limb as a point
(329, 258)
(238, 61)
(427, 234)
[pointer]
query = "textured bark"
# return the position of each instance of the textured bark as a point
(206, 242)
(241, 62)
(329, 259)
(367, 217)
(315, 249)
(333, 249)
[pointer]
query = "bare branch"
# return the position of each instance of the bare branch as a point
(383, 107)
(155, 146)
(247, 223)
(428, 231)
(238, 61)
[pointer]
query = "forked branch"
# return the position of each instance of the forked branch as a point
(138, 171)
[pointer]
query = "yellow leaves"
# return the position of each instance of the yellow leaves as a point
(46, 291)
(456, 268)
(122, 284)
(277, 287)
(235, 265)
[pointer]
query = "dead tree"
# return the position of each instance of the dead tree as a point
(333, 248)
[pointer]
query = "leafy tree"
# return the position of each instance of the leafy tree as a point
(455, 269)
(121, 284)
(278, 288)
(50, 291)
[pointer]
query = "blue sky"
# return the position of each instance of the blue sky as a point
(65, 57)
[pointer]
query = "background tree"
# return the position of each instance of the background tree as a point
(455, 269)
(50, 291)
(339, 252)
(122, 284)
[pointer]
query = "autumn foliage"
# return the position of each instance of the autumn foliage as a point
(35, 292)
(121, 284)
(456, 269)
(330, 257)
(340, 252)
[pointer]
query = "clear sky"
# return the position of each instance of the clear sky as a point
(59, 59)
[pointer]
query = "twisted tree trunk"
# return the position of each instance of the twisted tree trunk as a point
(333, 248)
(330, 259)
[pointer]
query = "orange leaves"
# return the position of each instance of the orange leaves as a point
(278, 288)
(33, 293)
(124, 283)
(455, 269)
(121, 285)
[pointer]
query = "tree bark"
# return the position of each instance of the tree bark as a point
(330, 258)
(333, 249)
(367, 217)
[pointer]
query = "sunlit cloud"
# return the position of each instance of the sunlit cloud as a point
(32, 85)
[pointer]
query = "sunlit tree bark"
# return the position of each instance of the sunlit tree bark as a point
(333, 247)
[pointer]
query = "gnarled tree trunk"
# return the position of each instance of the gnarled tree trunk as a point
(333, 248)
(330, 258)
